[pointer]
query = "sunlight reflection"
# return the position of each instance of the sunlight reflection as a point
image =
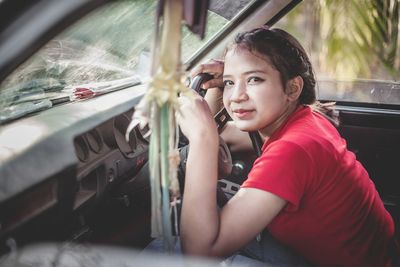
(18, 138)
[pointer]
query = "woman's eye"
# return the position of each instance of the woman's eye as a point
(228, 83)
(254, 80)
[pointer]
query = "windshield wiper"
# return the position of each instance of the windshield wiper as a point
(29, 97)
(21, 109)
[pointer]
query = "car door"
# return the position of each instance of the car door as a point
(362, 76)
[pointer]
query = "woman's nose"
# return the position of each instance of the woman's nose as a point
(239, 93)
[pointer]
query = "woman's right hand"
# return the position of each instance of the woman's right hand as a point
(215, 67)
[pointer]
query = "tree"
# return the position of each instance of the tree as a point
(357, 38)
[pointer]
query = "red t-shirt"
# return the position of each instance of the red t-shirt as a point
(334, 215)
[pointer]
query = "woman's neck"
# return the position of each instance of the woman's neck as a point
(267, 131)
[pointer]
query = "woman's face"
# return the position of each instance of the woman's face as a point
(253, 94)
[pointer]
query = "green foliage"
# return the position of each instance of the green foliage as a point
(350, 39)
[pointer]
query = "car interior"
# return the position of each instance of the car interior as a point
(67, 173)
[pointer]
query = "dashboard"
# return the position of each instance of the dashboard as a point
(57, 178)
(106, 158)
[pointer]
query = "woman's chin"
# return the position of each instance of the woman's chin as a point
(245, 126)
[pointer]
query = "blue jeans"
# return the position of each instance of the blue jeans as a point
(264, 252)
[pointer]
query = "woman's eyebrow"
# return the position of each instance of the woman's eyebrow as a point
(246, 73)
(254, 71)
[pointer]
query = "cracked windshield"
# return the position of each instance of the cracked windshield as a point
(106, 51)
(110, 50)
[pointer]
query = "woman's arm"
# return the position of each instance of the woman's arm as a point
(204, 229)
(237, 140)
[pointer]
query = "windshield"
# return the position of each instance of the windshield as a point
(107, 50)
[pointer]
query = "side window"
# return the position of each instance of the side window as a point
(354, 47)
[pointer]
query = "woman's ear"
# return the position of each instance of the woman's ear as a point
(294, 87)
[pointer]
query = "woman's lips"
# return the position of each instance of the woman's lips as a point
(242, 113)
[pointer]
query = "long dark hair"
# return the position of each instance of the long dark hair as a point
(287, 56)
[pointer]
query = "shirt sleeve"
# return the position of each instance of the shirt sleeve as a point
(284, 169)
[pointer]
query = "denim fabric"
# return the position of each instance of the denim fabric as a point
(157, 245)
(238, 260)
(269, 251)
(266, 252)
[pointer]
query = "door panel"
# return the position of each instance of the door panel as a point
(373, 134)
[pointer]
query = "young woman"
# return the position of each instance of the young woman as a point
(306, 188)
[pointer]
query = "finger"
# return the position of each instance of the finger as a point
(214, 67)
(182, 100)
(213, 83)
(178, 116)
(186, 101)
(194, 95)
